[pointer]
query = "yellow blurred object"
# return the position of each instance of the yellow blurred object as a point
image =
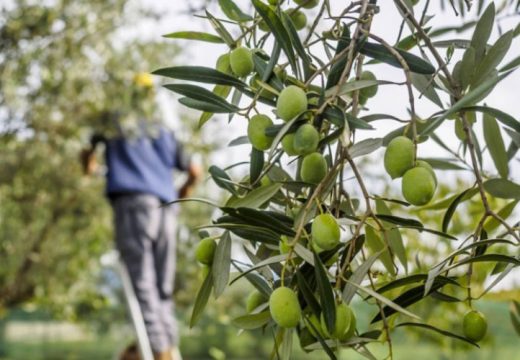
(144, 80)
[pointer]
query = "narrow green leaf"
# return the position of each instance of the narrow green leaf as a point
(326, 294)
(467, 68)
(203, 106)
(195, 35)
(256, 197)
(399, 220)
(219, 90)
(443, 164)
(265, 70)
(451, 210)
(248, 232)
(376, 244)
(404, 300)
(355, 85)
(424, 84)
(515, 136)
(355, 123)
(514, 312)
(469, 99)
(413, 279)
(220, 29)
(202, 298)
(252, 321)
(440, 331)
(493, 57)
(222, 179)
(232, 11)
(487, 242)
(277, 259)
(275, 24)
(365, 147)
(483, 31)
(502, 188)
(280, 224)
(359, 274)
(432, 231)
(444, 203)
(201, 94)
(512, 65)
(256, 165)
(296, 43)
(200, 74)
(492, 223)
(495, 144)
(455, 43)
(394, 235)
(381, 53)
(486, 258)
(221, 264)
(307, 293)
(501, 116)
(256, 280)
(337, 68)
(389, 303)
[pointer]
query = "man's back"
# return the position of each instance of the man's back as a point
(143, 164)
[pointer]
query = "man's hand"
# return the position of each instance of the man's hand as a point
(88, 161)
(194, 173)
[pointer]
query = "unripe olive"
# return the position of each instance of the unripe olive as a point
(399, 156)
(288, 145)
(314, 168)
(474, 325)
(341, 324)
(241, 61)
(284, 307)
(424, 164)
(325, 231)
(306, 139)
(307, 4)
(418, 186)
(205, 251)
(254, 300)
(298, 18)
(371, 91)
(256, 132)
(291, 102)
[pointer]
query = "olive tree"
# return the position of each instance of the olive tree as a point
(317, 232)
(60, 73)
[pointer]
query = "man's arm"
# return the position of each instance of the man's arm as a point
(185, 163)
(88, 156)
(194, 173)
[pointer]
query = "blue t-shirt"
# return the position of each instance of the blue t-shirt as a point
(143, 164)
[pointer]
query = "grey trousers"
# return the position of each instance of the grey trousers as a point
(145, 238)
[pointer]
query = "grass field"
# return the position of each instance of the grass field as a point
(211, 340)
(107, 350)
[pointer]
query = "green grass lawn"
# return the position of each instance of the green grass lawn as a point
(107, 349)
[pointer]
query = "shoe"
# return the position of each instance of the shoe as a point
(163, 355)
(130, 353)
(176, 354)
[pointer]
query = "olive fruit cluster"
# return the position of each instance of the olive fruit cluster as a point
(297, 16)
(286, 312)
(291, 103)
(419, 181)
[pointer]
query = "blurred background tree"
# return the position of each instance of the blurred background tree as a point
(63, 64)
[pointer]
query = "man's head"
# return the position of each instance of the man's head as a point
(143, 80)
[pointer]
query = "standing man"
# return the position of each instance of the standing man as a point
(139, 182)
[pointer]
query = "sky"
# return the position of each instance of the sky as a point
(390, 99)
